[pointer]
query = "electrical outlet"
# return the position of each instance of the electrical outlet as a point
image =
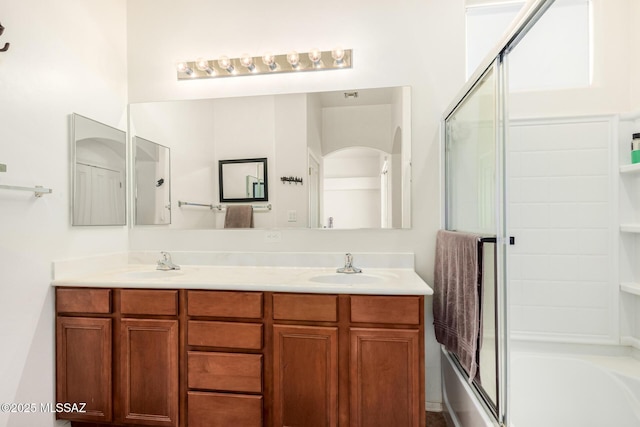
(273, 236)
(292, 216)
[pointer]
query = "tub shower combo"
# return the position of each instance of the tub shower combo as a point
(546, 330)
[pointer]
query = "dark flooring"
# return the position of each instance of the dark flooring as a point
(435, 419)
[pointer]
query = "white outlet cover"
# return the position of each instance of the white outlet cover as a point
(273, 236)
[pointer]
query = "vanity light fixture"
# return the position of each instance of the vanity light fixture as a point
(268, 63)
(315, 56)
(294, 59)
(247, 61)
(269, 59)
(203, 65)
(338, 54)
(183, 67)
(225, 63)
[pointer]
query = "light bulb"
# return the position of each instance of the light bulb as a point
(293, 58)
(203, 65)
(315, 56)
(225, 63)
(247, 61)
(338, 54)
(183, 67)
(269, 60)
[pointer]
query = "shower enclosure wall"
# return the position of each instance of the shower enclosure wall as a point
(547, 164)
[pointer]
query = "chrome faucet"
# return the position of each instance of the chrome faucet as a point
(348, 266)
(165, 263)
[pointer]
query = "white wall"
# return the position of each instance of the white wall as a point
(202, 132)
(380, 33)
(634, 93)
(65, 56)
(612, 51)
(187, 128)
(290, 159)
(360, 126)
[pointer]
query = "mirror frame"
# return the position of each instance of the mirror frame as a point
(73, 171)
(224, 199)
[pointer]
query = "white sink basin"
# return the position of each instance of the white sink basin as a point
(151, 274)
(348, 279)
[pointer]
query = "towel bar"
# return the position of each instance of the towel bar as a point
(221, 207)
(37, 190)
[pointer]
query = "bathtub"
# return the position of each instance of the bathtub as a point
(462, 406)
(553, 390)
(582, 391)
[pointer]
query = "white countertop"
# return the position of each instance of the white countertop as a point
(373, 281)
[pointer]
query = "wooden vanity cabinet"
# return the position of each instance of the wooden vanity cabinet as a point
(305, 360)
(228, 358)
(84, 353)
(117, 350)
(354, 360)
(386, 361)
(83, 366)
(224, 353)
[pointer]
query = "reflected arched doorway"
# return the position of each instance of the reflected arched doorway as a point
(357, 188)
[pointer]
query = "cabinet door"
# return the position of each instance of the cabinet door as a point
(384, 370)
(149, 372)
(305, 376)
(83, 366)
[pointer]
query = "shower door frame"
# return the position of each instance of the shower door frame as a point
(497, 59)
(496, 408)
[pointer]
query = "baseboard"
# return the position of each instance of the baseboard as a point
(433, 406)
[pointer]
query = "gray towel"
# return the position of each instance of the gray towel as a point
(239, 216)
(456, 303)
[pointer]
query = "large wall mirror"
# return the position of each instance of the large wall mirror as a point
(346, 156)
(98, 173)
(152, 182)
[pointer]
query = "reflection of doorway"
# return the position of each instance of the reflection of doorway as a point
(314, 192)
(352, 192)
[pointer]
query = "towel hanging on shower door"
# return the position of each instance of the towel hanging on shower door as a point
(456, 301)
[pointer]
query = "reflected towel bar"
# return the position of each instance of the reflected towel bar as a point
(221, 207)
(181, 204)
(37, 190)
(266, 207)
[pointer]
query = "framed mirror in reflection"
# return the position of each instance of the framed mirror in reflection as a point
(352, 149)
(152, 182)
(98, 173)
(243, 180)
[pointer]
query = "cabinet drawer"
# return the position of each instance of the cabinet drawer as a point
(305, 307)
(386, 309)
(225, 304)
(223, 410)
(225, 334)
(142, 301)
(225, 371)
(83, 300)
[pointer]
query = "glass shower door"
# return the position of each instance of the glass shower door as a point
(473, 193)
